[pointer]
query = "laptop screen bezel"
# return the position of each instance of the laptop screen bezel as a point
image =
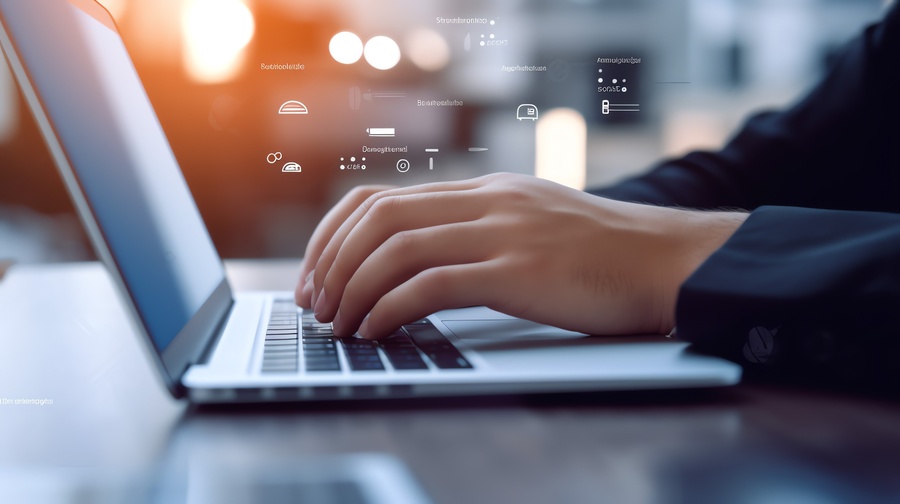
(193, 340)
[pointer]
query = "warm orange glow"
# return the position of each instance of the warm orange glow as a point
(562, 147)
(215, 35)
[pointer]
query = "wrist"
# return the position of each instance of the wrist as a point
(695, 235)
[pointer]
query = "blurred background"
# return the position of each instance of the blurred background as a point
(615, 85)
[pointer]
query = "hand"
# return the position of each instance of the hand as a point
(323, 233)
(522, 246)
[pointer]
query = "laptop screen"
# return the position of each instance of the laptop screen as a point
(111, 138)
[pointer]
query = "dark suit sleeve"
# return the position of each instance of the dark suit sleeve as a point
(801, 291)
(809, 285)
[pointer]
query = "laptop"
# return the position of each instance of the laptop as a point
(213, 345)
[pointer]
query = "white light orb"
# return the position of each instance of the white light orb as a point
(346, 48)
(382, 52)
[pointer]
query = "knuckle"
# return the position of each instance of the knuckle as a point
(384, 206)
(501, 177)
(370, 201)
(436, 280)
(402, 241)
(362, 192)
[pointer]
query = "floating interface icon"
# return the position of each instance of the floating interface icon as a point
(527, 111)
(431, 159)
(356, 96)
(354, 164)
(291, 168)
(293, 107)
(403, 166)
(381, 132)
(607, 108)
(273, 157)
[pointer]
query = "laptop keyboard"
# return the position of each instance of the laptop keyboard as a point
(408, 349)
(281, 346)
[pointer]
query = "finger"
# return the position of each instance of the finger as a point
(431, 291)
(387, 217)
(400, 258)
(328, 254)
(326, 228)
(303, 293)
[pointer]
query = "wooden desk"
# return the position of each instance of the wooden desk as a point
(750, 443)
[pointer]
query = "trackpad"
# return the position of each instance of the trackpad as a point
(506, 329)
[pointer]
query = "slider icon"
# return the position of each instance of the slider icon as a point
(606, 107)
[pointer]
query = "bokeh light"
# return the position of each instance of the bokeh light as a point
(215, 35)
(427, 49)
(382, 52)
(346, 48)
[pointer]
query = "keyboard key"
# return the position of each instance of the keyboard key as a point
(314, 324)
(332, 366)
(271, 350)
(281, 331)
(407, 363)
(309, 334)
(320, 353)
(280, 349)
(280, 362)
(284, 342)
(292, 369)
(362, 354)
(316, 346)
(365, 358)
(401, 352)
(318, 359)
(367, 366)
(317, 338)
(275, 327)
(272, 337)
(436, 346)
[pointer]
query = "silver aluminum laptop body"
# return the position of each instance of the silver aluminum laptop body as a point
(211, 345)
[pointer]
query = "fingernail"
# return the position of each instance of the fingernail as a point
(364, 328)
(336, 324)
(320, 303)
(310, 276)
